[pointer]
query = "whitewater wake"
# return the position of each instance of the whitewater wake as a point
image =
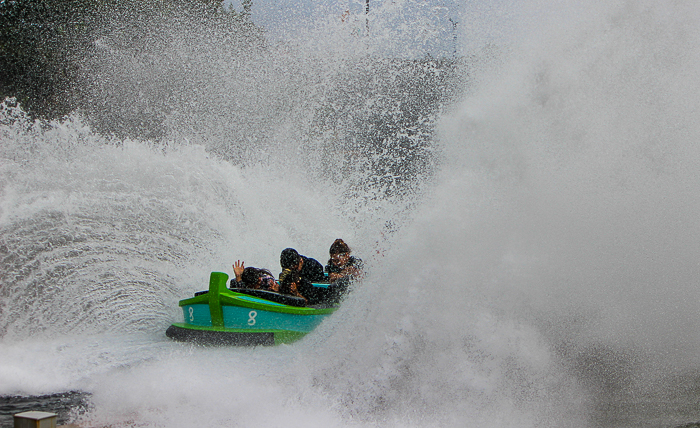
(532, 246)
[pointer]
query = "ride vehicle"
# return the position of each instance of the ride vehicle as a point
(245, 317)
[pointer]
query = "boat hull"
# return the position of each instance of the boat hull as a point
(225, 317)
(230, 337)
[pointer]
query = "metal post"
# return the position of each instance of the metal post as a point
(454, 35)
(367, 16)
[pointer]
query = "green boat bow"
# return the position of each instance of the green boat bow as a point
(235, 317)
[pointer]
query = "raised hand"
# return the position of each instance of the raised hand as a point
(238, 267)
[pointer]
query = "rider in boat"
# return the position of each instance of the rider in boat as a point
(252, 277)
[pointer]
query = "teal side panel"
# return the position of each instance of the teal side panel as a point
(257, 300)
(254, 319)
(197, 315)
(319, 285)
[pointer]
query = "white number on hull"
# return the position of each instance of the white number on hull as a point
(251, 317)
(191, 310)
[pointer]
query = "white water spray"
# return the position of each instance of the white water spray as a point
(549, 267)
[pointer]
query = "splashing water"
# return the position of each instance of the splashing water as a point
(532, 262)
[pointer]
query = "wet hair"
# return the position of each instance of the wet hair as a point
(338, 247)
(289, 258)
(251, 275)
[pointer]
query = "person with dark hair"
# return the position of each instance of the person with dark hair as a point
(342, 269)
(342, 265)
(251, 277)
(308, 268)
(298, 274)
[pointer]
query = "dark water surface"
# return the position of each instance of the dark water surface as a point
(649, 413)
(65, 405)
(528, 217)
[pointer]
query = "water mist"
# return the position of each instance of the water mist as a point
(526, 215)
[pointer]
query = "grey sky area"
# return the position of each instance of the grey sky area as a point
(414, 27)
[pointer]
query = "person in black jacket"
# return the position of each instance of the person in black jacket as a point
(309, 269)
(298, 274)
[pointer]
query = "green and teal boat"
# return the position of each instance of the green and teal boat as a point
(223, 316)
